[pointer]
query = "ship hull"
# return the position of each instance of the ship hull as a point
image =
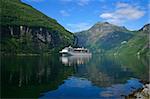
(75, 51)
(76, 54)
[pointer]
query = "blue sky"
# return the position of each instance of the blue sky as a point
(78, 15)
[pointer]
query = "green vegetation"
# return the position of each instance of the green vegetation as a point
(137, 46)
(21, 24)
(139, 66)
(103, 36)
(115, 40)
(14, 12)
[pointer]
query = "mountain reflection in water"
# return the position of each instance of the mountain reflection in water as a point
(54, 76)
(98, 77)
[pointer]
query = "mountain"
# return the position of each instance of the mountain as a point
(103, 36)
(138, 45)
(145, 29)
(26, 30)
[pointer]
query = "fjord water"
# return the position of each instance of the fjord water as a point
(57, 77)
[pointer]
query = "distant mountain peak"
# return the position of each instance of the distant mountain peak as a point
(106, 27)
(103, 23)
(145, 28)
(109, 24)
(106, 23)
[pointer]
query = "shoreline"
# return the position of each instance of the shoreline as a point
(142, 93)
(28, 54)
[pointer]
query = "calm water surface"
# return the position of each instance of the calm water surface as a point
(56, 77)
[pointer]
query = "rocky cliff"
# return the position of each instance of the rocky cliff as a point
(26, 30)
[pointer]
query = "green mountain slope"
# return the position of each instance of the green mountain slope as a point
(103, 36)
(26, 30)
(137, 46)
(115, 40)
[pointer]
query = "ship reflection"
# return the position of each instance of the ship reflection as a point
(73, 60)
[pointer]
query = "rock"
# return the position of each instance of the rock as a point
(144, 93)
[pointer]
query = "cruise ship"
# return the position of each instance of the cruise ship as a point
(75, 51)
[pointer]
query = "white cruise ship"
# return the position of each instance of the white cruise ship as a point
(75, 51)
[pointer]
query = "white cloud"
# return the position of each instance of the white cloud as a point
(130, 13)
(83, 2)
(76, 27)
(106, 15)
(64, 13)
(123, 13)
(79, 2)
